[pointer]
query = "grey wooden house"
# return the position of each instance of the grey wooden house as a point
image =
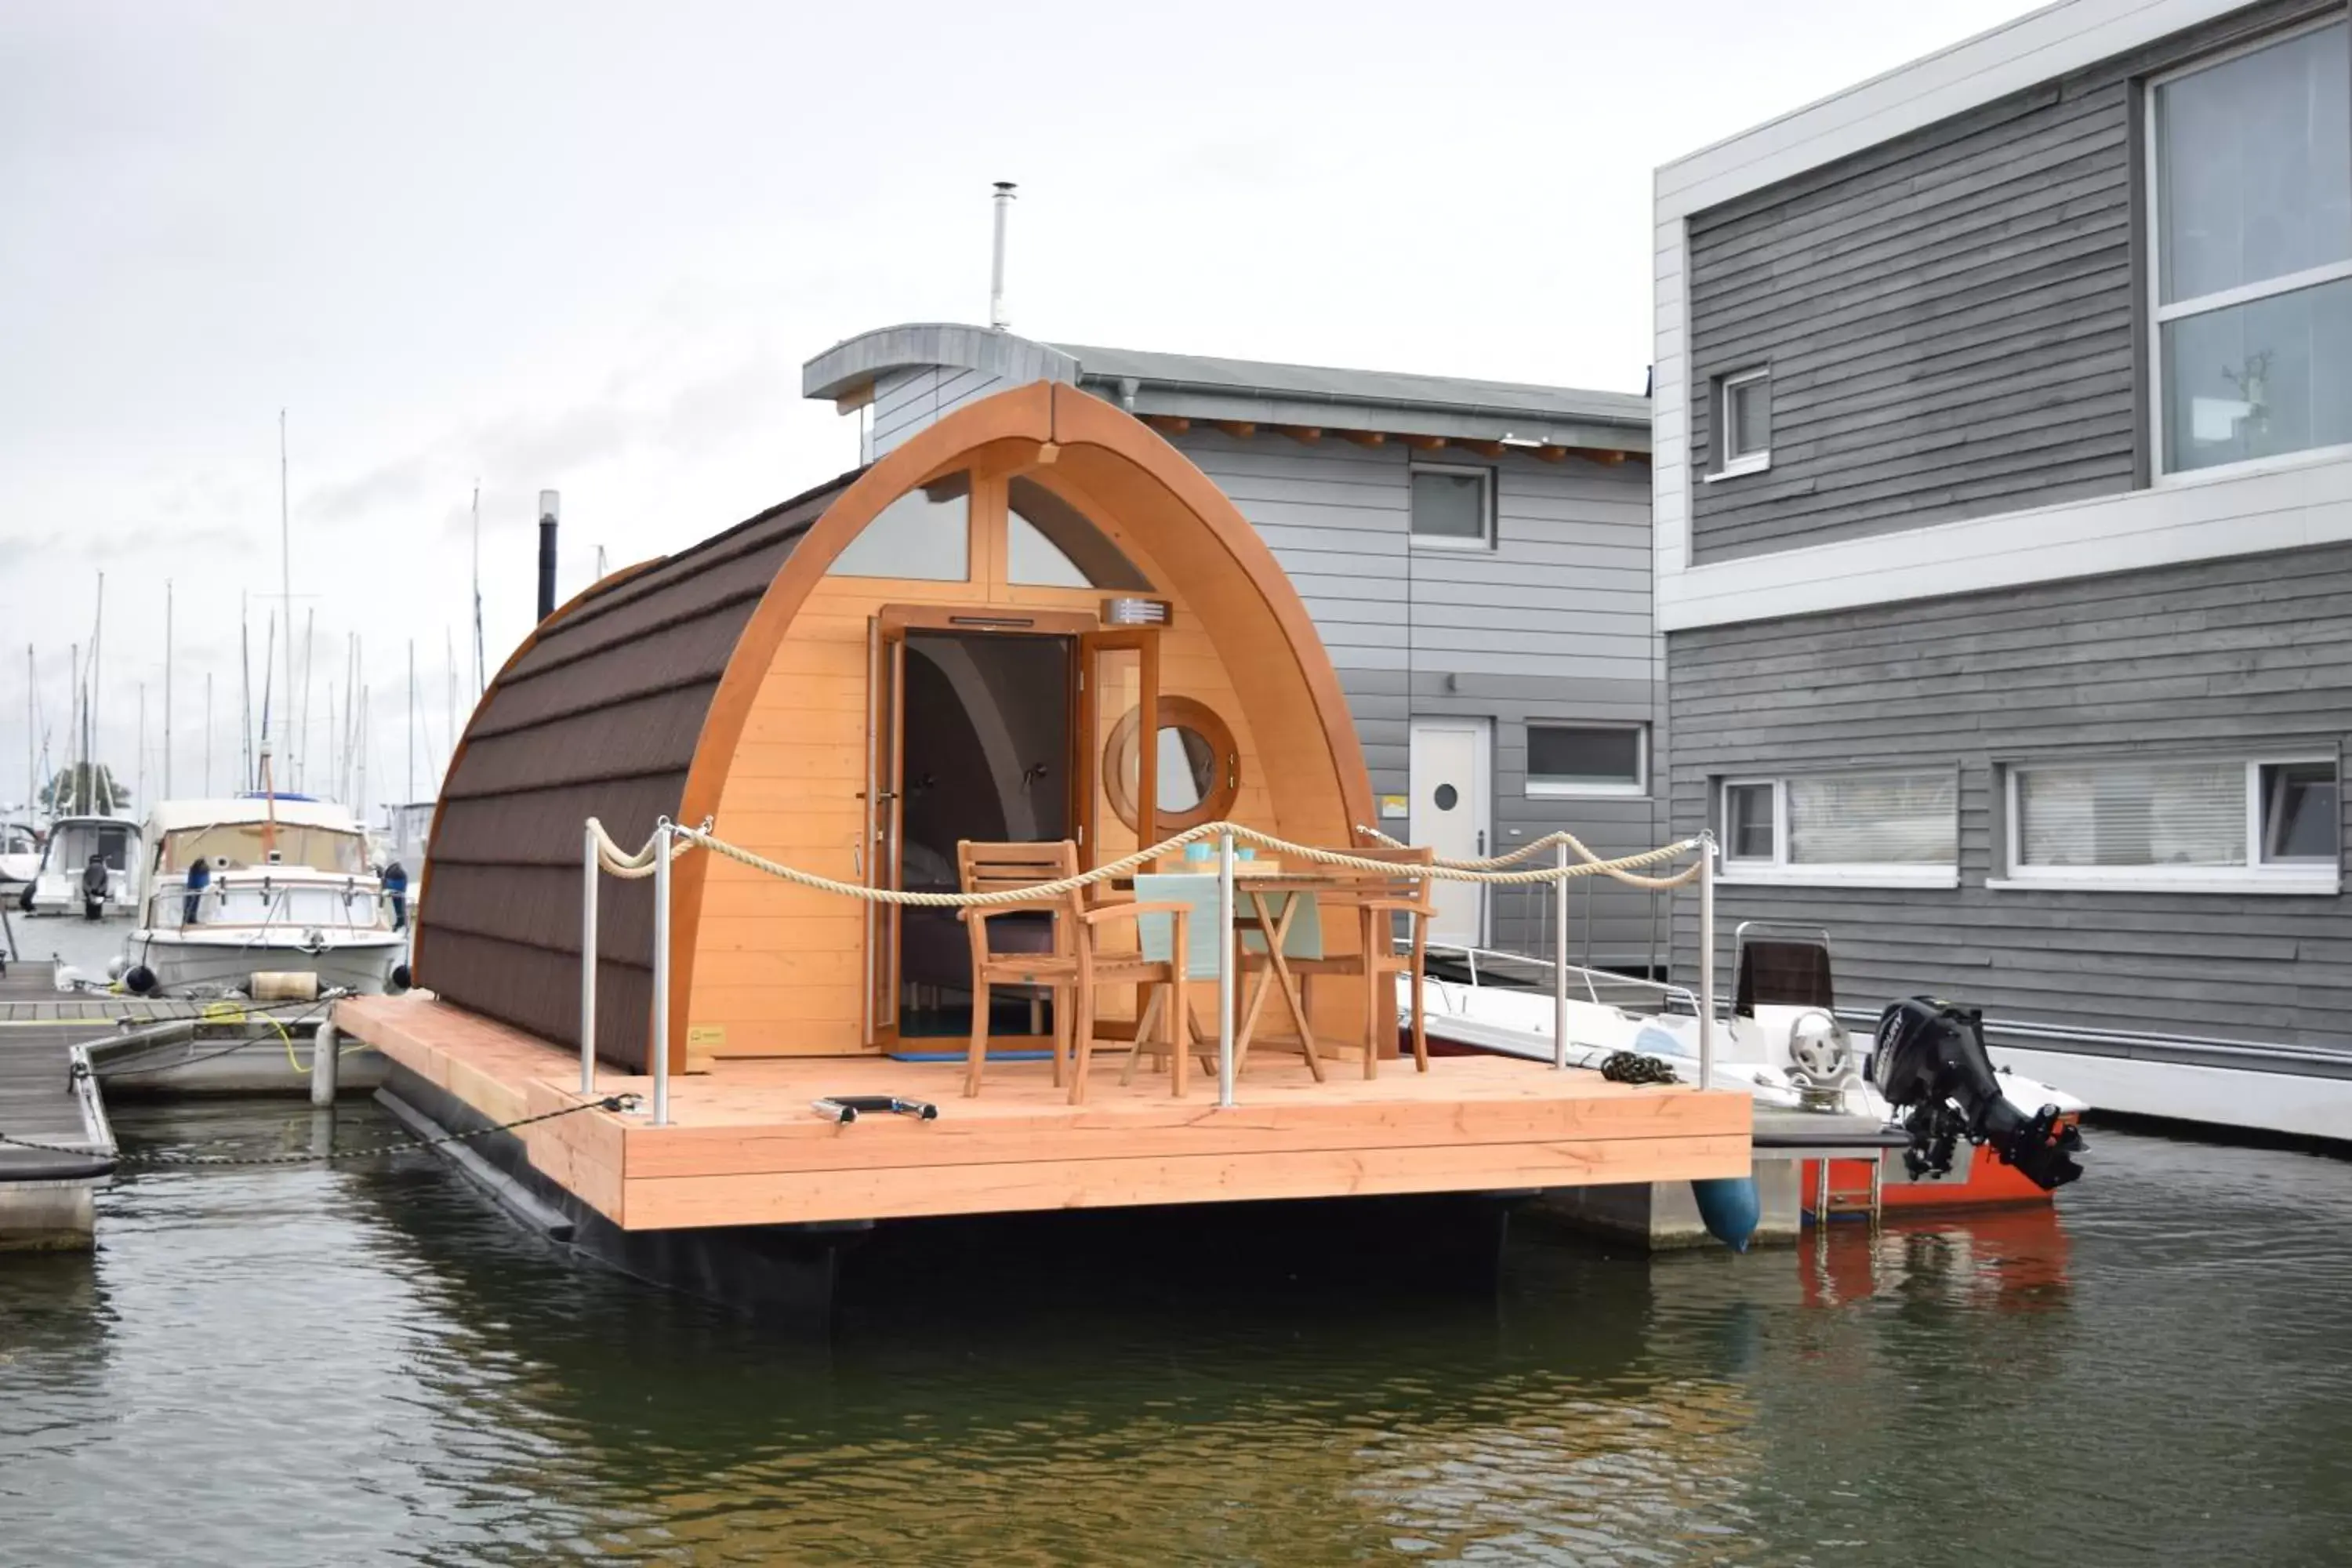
(2003, 495)
(1474, 554)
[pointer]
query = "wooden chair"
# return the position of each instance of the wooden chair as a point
(1375, 901)
(1071, 969)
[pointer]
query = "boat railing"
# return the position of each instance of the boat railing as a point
(1484, 966)
(217, 906)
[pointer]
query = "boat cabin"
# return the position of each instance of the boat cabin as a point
(286, 860)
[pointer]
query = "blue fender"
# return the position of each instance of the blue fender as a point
(1728, 1207)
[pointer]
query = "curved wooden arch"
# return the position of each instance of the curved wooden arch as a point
(1050, 417)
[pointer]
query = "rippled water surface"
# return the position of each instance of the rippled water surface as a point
(368, 1364)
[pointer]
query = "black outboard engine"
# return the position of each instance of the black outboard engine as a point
(1930, 1056)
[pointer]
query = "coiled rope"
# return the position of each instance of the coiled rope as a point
(623, 863)
(1613, 870)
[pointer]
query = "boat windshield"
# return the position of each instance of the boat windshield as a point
(238, 844)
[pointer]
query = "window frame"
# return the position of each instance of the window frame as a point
(1485, 541)
(1728, 464)
(2260, 873)
(1786, 872)
(1639, 787)
(2159, 314)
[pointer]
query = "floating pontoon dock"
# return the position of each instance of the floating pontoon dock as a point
(744, 1147)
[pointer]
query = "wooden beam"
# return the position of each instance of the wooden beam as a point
(1168, 424)
(1483, 449)
(1301, 432)
(1610, 459)
(1424, 442)
(1364, 437)
(1550, 454)
(1242, 429)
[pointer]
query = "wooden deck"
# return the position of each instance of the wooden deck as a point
(745, 1149)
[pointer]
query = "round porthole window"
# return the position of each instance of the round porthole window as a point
(1446, 798)
(1198, 767)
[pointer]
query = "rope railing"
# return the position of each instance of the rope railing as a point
(623, 863)
(600, 854)
(1614, 869)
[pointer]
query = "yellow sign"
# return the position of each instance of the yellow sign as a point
(708, 1035)
(1393, 808)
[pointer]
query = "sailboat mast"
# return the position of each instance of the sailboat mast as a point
(90, 703)
(245, 688)
(449, 655)
(208, 734)
(139, 758)
(481, 675)
(167, 687)
(412, 723)
(32, 763)
(73, 739)
(285, 582)
(299, 764)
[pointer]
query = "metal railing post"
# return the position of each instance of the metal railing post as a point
(589, 868)
(1706, 960)
(1559, 960)
(1225, 955)
(660, 1034)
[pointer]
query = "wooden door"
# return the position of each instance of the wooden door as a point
(884, 814)
(1118, 675)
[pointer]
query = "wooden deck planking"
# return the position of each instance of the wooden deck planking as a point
(744, 1149)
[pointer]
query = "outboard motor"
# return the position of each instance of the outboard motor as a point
(1930, 1056)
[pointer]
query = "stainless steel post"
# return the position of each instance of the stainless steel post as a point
(1706, 960)
(658, 1038)
(1225, 969)
(1559, 960)
(326, 1047)
(589, 871)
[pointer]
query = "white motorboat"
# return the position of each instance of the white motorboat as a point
(286, 890)
(55, 888)
(20, 853)
(1791, 1053)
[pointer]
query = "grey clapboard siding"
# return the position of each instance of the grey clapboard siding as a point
(1951, 319)
(2250, 657)
(907, 401)
(1553, 623)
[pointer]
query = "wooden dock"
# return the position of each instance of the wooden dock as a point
(45, 1197)
(744, 1148)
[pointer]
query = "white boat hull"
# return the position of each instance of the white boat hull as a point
(194, 961)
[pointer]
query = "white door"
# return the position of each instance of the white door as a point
(1451, 802)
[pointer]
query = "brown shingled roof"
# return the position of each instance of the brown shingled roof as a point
(598, 715)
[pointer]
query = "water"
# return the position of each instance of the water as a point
(368, 1364)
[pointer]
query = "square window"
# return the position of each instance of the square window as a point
(1747, 827)
(2302, 812)
(1587, 759)
(1452, 508)
(925, 535)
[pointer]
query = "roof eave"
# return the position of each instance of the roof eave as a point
(1455, 421)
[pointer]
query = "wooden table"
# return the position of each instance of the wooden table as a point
(1257, 890)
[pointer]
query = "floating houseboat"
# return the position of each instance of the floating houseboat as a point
(1034, 621)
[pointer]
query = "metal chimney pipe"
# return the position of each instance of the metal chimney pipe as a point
(997, 319)
(550, 506)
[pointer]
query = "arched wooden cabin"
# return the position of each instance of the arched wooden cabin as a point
(961, 641)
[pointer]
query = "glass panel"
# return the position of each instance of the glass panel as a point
(2301, 811)
(1050, 543)
(1187, 765)
(2254, 166)
(1883, 819)
(1560, 755)
(925, 535)
(1748, 821)
(1748, 416)
(2133, 813)
(233, 845)
(1449, 506)
(2254, 380)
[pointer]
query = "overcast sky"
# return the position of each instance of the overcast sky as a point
(587, 247)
